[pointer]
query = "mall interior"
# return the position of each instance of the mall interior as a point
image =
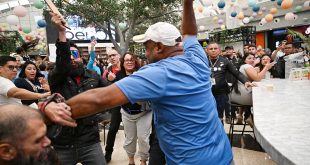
(279, 127)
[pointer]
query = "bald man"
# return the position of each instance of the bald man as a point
(22, 136)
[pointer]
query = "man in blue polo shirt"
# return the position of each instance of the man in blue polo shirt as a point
(177, 83)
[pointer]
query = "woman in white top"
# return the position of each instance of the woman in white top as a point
(242, 95)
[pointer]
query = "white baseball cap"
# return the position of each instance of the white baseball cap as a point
(162, 32)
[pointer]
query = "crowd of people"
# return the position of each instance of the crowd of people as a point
(172, 108)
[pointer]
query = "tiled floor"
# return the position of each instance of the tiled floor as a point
(250, 154)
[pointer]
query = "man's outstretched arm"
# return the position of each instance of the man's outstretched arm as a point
(96, 100)
(188, 26)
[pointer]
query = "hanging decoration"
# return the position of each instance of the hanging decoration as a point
(255, 8)
(286, 4)
(20, 11)
(269, 17)
(290, 16)
(298, 8)
(233, 14)
(26, 29)
(12, 20)
(38, 4)
(221, 4)
(41, 23)
(246, 20)
(273, 10)
(307, 5)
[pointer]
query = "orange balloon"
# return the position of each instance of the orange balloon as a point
(240, 15)
(200, 9)
(273, 10)
(269, 17)
(286, 4)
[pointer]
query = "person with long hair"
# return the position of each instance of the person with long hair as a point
(242, 95)
(136, 119)
(32, 80)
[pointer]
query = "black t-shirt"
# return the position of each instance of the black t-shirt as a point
(220, 67)
(22, 83)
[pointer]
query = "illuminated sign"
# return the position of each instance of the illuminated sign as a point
(80, 32)
(86, 33)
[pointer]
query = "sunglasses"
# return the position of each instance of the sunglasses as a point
(12, 67)
(75, 54)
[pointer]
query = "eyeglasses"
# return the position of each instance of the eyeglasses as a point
(75, 54)
(12, 67)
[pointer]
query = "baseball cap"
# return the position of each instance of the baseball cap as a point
(229, 47)
(162, 32)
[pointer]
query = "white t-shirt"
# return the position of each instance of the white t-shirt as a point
(5, 86)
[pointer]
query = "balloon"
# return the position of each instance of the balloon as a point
(290, 16)
(220, 21)
(38, 4)
(307, 5)
(70, 21)
(252, 3)
(260, 13)
(286, 4)
(246, 20)
(26, 29)
(279, 2)
(264, 9)
(200, 9)
(254, 14)
(12, 19)
(221, 4)
(263, 21)
(273, 10)
(269, 17)
(255, 8)
(215, 18)
(240, 15)
(41, 23)
(233, 14)
(208, 2)
(20, 11)
(28, 38)
(298, 8)
(223, 27)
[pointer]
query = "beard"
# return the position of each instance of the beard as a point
(78, 70)
(47, 157)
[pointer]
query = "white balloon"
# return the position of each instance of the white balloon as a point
(263, 21)
(307, 5)
(12, 19)
(208, 2)
(246, 20)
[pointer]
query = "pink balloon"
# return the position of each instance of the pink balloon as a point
(20, 11)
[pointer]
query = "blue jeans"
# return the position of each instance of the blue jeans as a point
(91, 154)
(222, 104)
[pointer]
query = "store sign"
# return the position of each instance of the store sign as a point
(308, 31)
(87, 33)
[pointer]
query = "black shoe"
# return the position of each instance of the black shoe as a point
(107, 157)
